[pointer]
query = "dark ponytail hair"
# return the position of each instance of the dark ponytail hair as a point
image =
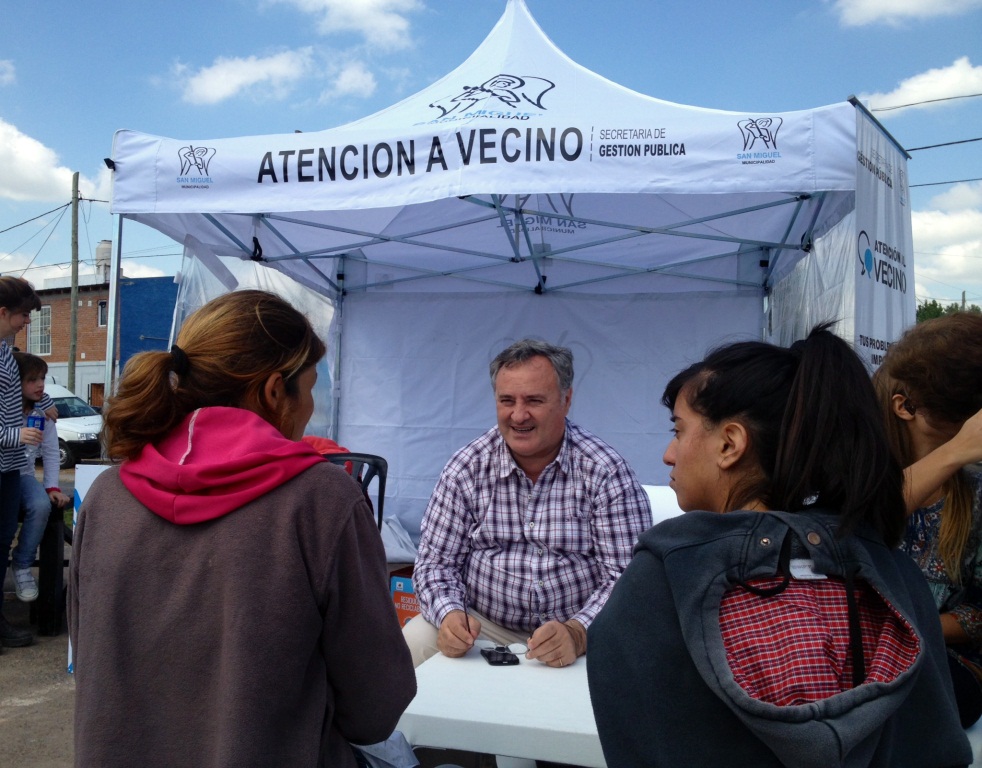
(816, 436)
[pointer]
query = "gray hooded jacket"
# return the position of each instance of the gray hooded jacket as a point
(664, 692)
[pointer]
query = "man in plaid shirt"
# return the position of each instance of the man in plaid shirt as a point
(529, 526)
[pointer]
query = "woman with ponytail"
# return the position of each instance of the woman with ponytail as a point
(228, 598)
(930, 392)
(775, 624)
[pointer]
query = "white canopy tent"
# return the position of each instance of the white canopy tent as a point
(523, 195)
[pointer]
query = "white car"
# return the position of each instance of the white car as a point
(79, 425)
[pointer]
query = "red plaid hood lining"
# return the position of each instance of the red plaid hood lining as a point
(793, 648)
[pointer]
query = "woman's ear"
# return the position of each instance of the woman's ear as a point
(274, 393)
(734, 441)
(901, 407)
(275, 404)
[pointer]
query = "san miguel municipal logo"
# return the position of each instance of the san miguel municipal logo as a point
(882, 263)
(561, 220)
(759, 140)
(194, 167)
(508, 92)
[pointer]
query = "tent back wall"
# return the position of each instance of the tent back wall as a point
(425, 363)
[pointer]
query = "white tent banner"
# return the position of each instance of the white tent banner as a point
(518, 114)
(884, 265)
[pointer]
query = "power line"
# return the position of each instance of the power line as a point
(938, 183)
(927, 101)
(946, 144)
(91, 261)
(35, 218)
(38, 253)
(946, 301)
(41, 215)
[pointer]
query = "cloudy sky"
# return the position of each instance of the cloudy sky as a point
(73, 73)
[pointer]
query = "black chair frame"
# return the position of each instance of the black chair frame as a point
(365, 468)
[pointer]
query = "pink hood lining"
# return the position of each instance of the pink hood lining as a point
(216, 461)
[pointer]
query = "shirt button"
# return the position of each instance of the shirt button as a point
(542, 583)
(531, 525)
(813, 538)
(540, 552)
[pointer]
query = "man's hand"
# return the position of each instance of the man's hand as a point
(556, 644)
(457, 634)
(52, 413)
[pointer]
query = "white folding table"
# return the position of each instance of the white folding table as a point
(529, 710)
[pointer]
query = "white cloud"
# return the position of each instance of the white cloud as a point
(856, 13)
(136, 269)
(959, 198)
(353, 79)
(959, 79)
(382, 23)
(275, 75)
(37, 274)
(31, 171)
(948, 244)
(7, 74)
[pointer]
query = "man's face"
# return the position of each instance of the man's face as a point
(531, 412)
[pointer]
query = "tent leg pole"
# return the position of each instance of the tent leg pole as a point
(112, 322)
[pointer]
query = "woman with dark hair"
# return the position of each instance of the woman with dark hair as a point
(789, 630)
(930, 392)
(228, 598)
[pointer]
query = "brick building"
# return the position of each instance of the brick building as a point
(48, 334)
(145, 315)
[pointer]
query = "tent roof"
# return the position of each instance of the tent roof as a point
(519, 170)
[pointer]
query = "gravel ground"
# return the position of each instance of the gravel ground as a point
(37, 695)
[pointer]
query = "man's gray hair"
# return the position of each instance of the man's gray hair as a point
(524, 350)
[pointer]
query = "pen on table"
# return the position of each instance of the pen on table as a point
(467, 619)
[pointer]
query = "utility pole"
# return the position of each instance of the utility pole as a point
(73, 312)
(963, 301)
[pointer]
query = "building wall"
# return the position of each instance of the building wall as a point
(146, 313)
(145, 316)
(90, 349)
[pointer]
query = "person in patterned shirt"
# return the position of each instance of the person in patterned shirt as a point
(776, 623)
(930, 392)
(529, 525)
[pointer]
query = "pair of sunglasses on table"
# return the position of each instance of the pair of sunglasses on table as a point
(501, 655)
